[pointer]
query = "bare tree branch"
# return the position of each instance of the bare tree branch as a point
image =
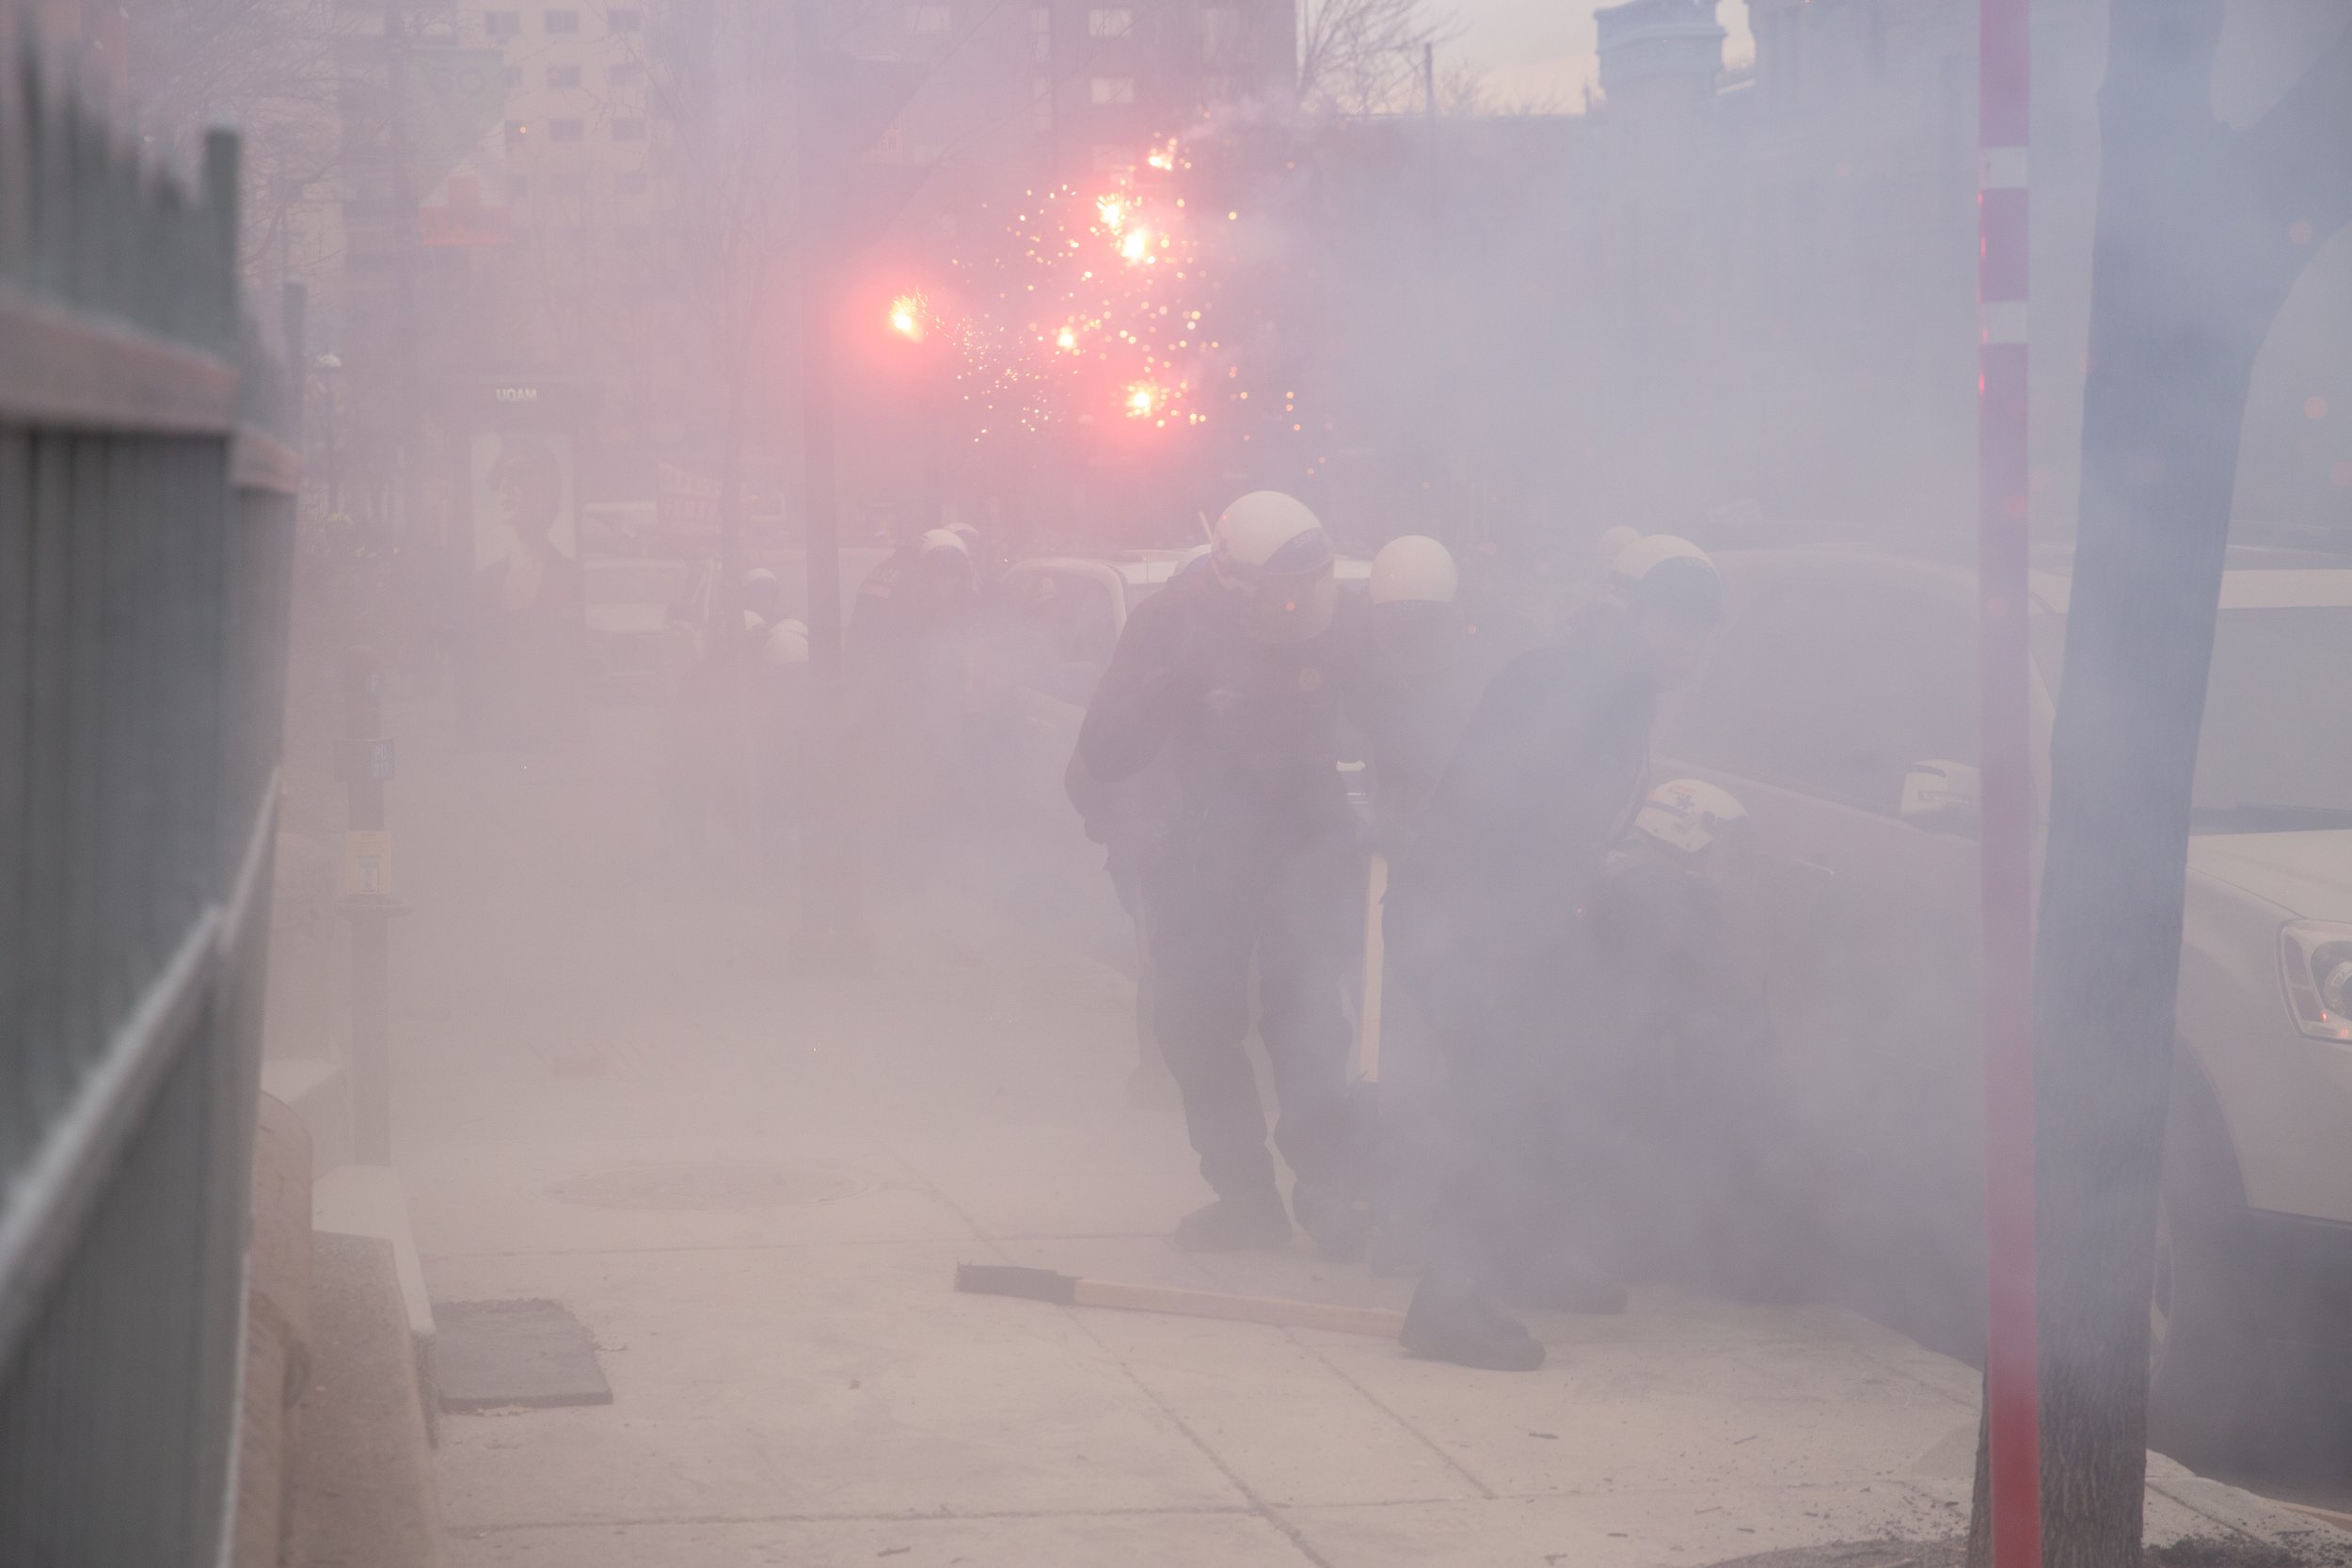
(1364, 57)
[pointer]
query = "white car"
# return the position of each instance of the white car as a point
(1840, 706)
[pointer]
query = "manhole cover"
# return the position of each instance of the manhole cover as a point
(739, 1184)
(491, 1355)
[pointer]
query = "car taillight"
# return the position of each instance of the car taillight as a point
(2317, 963)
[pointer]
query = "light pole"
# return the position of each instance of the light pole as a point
(2012, 1371)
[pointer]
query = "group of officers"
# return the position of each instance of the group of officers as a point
(1258, 744)
(1303, 791)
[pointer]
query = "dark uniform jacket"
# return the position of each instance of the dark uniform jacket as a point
(1486, 910)
(1253, 731)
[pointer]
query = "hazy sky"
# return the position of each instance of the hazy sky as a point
(1543, 48)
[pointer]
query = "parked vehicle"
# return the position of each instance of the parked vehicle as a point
(1840, 706)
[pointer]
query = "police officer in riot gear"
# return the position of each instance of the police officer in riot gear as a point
(1487, 925)
(1242, 676)
(1432, 646)
(1132, 820)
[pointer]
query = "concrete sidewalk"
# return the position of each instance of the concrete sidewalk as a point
(753, 1189)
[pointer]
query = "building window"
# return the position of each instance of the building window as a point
(568, 181)
(1114, 89)
(630, 182)
(563, 75)
(1221, 34)
(1040, 35)
(563, 21)
(1112, 24)
(502, 24)
(629, 129)
(624, 75)
(929, 19)
(1041, 103)
(624, 20)
(565, 130)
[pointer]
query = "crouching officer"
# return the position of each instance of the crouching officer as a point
(1705, 1178)
(1433, 647)
(1243, 677)
(1487, 926)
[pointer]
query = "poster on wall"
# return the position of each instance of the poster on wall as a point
(525, 530)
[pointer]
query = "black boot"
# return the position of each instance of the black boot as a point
(1252, 1223)
(1466, 1327)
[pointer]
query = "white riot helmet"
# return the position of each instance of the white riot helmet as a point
(1686, 815)
(943, 550)
(1269, 549)
(1662, 572)
(1613, 543)
(786, 645)
(760, 590)
(1413, 570)
(969, 537)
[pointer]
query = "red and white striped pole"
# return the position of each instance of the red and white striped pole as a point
(2013, 1401)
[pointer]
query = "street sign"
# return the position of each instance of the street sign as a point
(367, 863)
(687, 504)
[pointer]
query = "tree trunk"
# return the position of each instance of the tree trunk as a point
(2194, 251)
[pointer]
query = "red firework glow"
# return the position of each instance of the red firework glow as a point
(1092, 304)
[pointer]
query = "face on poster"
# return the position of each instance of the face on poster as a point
(522, 497)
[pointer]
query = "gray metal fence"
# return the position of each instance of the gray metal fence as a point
(145, 534)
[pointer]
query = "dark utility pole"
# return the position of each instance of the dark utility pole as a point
(832, 927)
(844, 105)
(406, 441)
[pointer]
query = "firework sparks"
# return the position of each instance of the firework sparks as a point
(907, 318)
(1104, 307)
